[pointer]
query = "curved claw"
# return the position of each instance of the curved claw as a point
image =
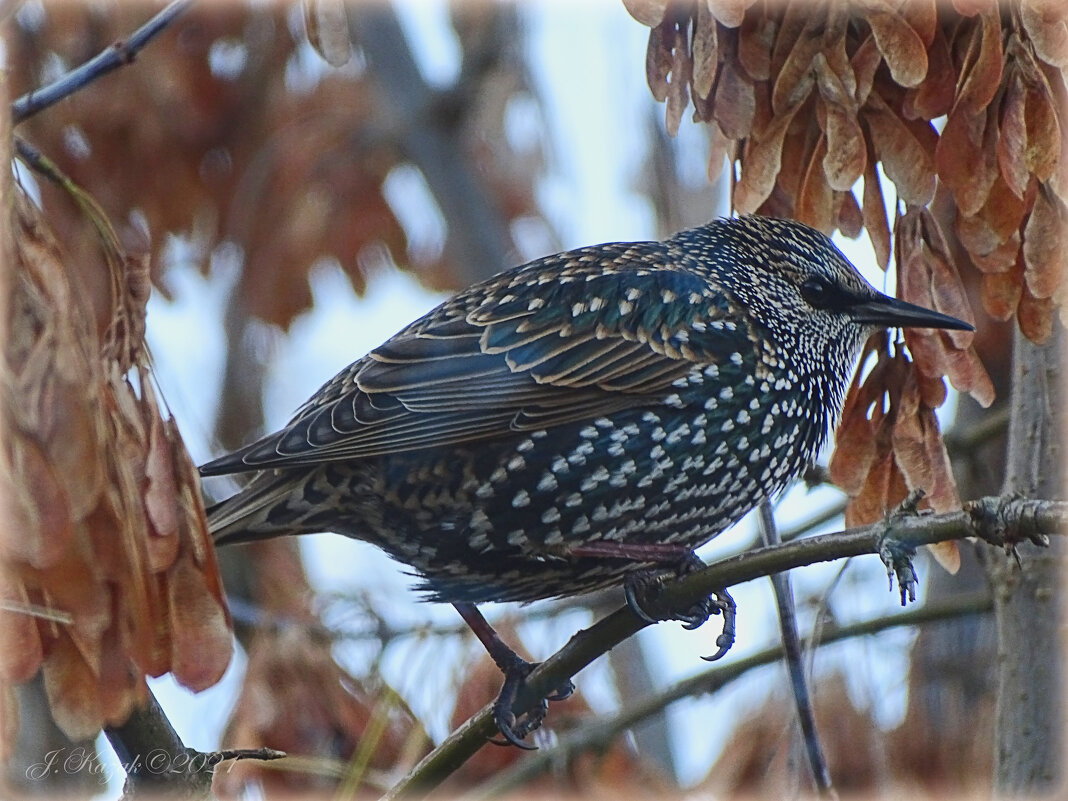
(724, 604)
(631, 585)
(723, 644)
(512, 729)
(721, 604)
(506, 724)
(562, 693)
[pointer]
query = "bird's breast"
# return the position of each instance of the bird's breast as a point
(679, 470)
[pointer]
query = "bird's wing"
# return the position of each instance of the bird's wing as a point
(511, 358)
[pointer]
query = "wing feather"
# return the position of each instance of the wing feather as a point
(492, 362)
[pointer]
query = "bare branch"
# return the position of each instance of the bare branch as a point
(117, 55)
(154, 756)
(597, 733)
(998, 521)
(795, 667)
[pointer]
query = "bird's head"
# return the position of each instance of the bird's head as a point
(799, 287)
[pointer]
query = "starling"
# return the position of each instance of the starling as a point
(584, 420)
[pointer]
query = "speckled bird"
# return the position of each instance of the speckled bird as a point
(580, 420)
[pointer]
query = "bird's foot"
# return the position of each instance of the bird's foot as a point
(516, 670)
(642, 586)
(898, 560)
(515, 729)
(896, 555)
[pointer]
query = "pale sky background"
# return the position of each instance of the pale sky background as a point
(597, 120)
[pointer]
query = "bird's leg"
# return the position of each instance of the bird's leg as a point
(646, 583)
(515, 670)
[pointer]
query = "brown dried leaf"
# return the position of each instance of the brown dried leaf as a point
(966, 156)
(647, 12)
(23, 652)
(327, 28)
(1003, 212)
(922, 17)
(846, 152)
(920, 452)
(854, 452)
(755, 39)
(705, 52)
(729, 12)
(947, 554)
(980, 73)
(160, 494)
(815, 201)
(1001, 259)
(865, 62)
(1035, 316)
(796, 155)
(883, 491)
(977, 235)
(120, 688)
(846, 155)
(902, 48)
(875, 222)
(1012, 142)
(1000, 294)
(926, 276)
(1045, 249)
(735, 102)
(1043, 132)
(970, 8)
(794, 81)
(910, 452)
(191, 509)
(905, 159)
(658, 59)
(943, 496)
(856, 447)
(72, 689)
(934, 96)
(720, 149)
(966, 373)
(40, 527)
(761, 160)
(201, 643)
(932, 389)
(1046, 23)
(850, 219)
(678, 88)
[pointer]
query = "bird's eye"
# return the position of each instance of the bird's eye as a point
(817, 292)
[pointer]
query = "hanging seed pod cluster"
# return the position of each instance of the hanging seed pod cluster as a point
(107, 573)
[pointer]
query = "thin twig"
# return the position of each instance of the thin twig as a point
(117, 55)
(264, 754)
(996, 520)
(795, 665)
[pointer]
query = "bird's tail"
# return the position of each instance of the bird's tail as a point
(258, 512)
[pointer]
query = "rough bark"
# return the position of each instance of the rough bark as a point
(1028, 597)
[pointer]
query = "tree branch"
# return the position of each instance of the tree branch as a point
(596, 734)
(793, 654)
(117, 55)
(479, 243)
(157, 762)
(997, 521)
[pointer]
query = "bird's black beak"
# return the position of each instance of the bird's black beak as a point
(889, 312)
